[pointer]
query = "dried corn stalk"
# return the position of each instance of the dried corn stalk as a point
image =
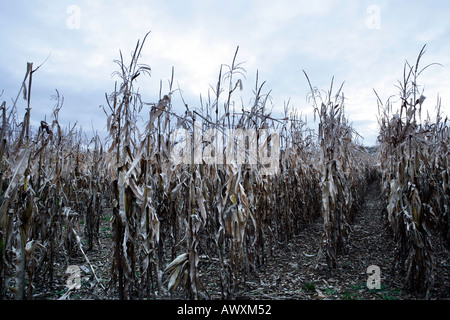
(414, 162)
(338, 185)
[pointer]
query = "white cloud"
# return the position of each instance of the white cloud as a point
(279, 12)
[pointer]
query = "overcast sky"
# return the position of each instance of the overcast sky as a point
(364, 43)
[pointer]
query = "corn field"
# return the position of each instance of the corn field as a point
(415, 175)
(184, 191)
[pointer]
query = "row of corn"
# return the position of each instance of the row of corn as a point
(414, 156)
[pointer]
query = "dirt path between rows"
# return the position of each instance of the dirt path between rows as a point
(298, 273)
